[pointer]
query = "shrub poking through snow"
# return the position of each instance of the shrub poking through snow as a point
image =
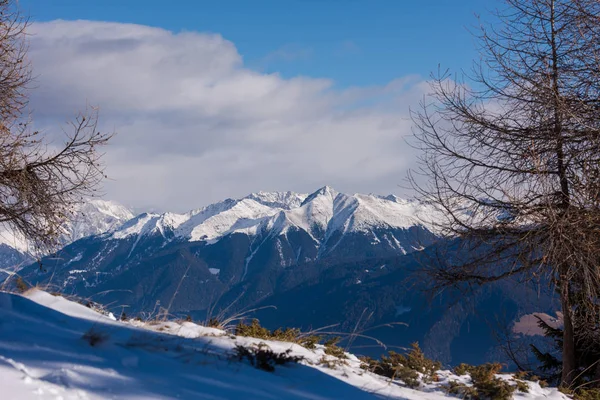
(262, 357)
(535, 378)
(486, 385)
(331, 362)
(582, 393)
(21, 285)
(332, 349)
(416, 360)
(214, 323)
(463, 369)
(408, 376)
(587, 394)
(463, 391)
(310, 342)
(334, 356)
(407, 367)
(293, 335)
(522, 386)
(254, 329)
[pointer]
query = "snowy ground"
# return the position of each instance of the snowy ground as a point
(43, 356)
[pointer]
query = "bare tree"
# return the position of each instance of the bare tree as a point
(40, 180)
(512, 153)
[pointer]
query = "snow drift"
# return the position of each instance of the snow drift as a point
(44, 355)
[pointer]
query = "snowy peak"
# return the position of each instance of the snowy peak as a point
(141, 224)
(326, 192)
(316, 212)
(244, 215)
(95, 217)
(108, 208)
(389, 211)
(283, 200)
(328, 211)
(322, 214)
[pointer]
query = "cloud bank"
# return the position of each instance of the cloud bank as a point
(194, 125)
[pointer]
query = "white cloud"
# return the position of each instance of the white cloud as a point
(195, 125)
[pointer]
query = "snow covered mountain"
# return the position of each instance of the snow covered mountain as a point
(232, 241)
(320, 259)
(93, 217)
(324, 215)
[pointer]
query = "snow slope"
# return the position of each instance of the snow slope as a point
(43, 356)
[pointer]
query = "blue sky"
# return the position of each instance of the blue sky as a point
(217, 99)
(353, 42)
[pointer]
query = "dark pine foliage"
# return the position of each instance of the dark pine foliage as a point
(587, 354)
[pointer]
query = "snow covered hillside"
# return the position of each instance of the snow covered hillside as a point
(52, 348)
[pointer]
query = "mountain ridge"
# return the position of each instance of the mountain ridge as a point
(235, 239)
(92, 217)
(321, 214)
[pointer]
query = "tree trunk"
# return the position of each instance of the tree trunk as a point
(568, 353)
(568, 356)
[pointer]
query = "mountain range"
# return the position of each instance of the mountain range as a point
(93, 217)
(309, 261)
